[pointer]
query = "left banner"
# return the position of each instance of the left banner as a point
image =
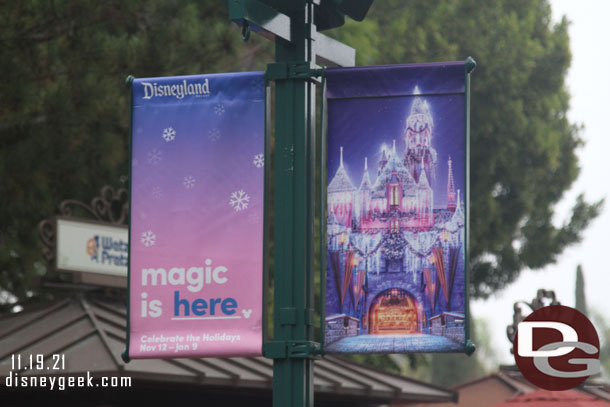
(196, 222)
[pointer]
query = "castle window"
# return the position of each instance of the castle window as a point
(394, 195)
(395, 226)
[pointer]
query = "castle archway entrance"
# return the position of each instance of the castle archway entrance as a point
(393, 311)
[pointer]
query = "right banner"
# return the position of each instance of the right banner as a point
(396, 218)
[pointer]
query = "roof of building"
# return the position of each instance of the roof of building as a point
(365, 184)
(90, 332)
(546, 398)
(593, 385)
(479, 392)
(393, 171)
(341, 182)
(519, 386)
(423, 180)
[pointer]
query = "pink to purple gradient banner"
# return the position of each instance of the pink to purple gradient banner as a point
(196, 224)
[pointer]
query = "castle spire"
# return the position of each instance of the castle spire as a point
(341, 181)
(365, 184)
(383, 160)
(423, 178)
(394, 146)
(458, 215)
(422, 169)
(419, 117)
(450, 188)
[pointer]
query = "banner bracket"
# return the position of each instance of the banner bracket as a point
(470, 347)
(292, 350)
(293, 70)
(471, 64)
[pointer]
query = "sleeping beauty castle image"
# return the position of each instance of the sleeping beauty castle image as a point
(395, 265)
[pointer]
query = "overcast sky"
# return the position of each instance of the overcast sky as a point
(589, 84)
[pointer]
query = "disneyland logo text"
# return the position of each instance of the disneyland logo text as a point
(106, 250)
(177, 90)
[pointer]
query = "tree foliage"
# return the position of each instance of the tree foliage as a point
(523, 147)
(599, 319)
(579, 291)
(602, 325)
(65, 110)
(64, 117)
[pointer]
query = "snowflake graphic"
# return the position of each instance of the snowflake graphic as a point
(239, 200)
(219, 109)
(155, 156)
(157, 192)
(214, 134)
(189, 182)
(254, 218)
(148, 238)
(259, 160)
(257, 85)
(169, 134)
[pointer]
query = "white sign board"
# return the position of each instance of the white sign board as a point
(90, 247)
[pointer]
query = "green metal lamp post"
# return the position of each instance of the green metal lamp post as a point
(294, 27)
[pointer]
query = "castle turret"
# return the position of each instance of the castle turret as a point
(363, 201)
(394, 191)
(365, 184)
(340, 195)
(382, 161)
(458, 215)
(425, 199)
(450, 188)
(419, 155)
